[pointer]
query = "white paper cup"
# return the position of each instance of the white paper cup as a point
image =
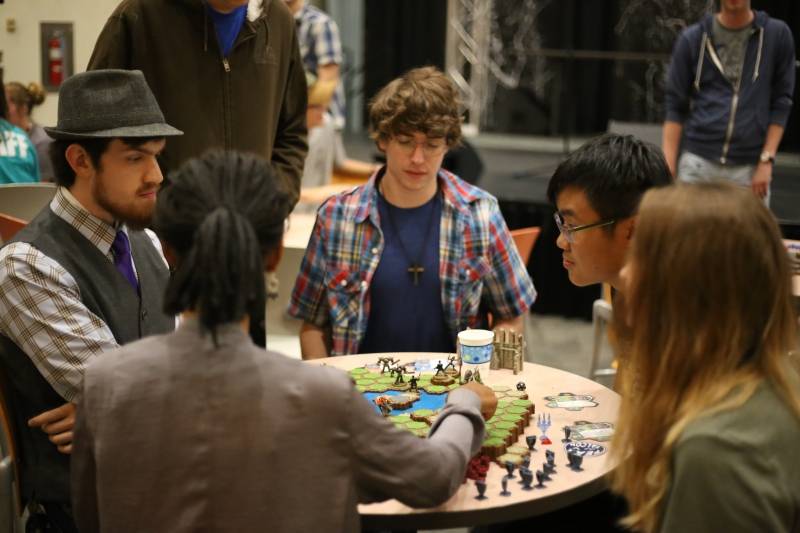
(475, 348)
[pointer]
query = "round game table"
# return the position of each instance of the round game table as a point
(567, 487)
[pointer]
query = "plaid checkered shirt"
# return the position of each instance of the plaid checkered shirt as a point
(40, 303)
(320, 45)
(478, 262)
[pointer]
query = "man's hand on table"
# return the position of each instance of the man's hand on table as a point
(58, 424)
(487, 397)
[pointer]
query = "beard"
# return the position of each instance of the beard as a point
(135, 216)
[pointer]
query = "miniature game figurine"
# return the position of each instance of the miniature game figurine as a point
(567, 432)
(521, 386)
(510, 466)
(540, 477)
(398, 373)
(476, 376)
(575, 461)
(549, 468)
(439, 369)
(527, 478)
(546, 471)
(451, 363)
(526, 461)
(386, 363)
(467, 377)
(504, 484)
(413, 382)
(480, 484)
(530, 440)
(543, 422)
(508, 351)
(550, 456)
(383, 405)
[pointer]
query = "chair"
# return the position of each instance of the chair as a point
(10, 498)
(9, 226)
(525, 238)
(25, 200)
(601, 316)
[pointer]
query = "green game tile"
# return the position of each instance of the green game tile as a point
(519, 450)
(511, 418)
(436, 389)
(501, 388)
(521, 403)
(493, 441)
(510, 426)
(365, 381)
(513, 457)
(385, 379)
(360, 370)
(416, 425)
(401, 419)
(423, 413)
(503, 434)
(519, 412)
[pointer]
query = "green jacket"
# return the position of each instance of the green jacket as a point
(254, 100)
(737, 471)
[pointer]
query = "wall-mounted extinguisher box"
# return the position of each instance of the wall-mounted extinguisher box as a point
(57, 53)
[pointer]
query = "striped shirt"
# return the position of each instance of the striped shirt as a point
(318, 37)
(479, 266)
(41, 309)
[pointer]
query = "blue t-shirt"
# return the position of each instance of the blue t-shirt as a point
(404, 317)
(228, 26)
(18, 160)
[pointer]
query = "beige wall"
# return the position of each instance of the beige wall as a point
(21, 49)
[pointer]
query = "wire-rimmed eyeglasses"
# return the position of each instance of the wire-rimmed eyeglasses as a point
(569, 231)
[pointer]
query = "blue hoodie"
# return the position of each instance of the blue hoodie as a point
(723, 122)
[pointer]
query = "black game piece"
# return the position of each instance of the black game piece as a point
(546, 471)
(504, 484)
(550, 455)
(567, 432)
(526, 461)
(531, 441)
(549, 469)
(527, 479)
(540, 477)
(576, 462)
(480, 484)
(521, 386)
(510, 466)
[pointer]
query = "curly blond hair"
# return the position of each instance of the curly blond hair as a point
(422, 100)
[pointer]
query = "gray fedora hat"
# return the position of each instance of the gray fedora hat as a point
(102, 104)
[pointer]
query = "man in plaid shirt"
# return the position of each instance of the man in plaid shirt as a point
(406, 261)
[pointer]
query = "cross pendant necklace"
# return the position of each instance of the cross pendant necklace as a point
(415, 268)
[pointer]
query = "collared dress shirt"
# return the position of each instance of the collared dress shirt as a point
(479, 265)
(41, 309)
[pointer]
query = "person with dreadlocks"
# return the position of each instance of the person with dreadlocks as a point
(235, 437)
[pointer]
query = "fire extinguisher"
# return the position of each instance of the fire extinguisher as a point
(55, 64)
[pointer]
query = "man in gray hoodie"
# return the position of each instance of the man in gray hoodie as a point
(729, 93)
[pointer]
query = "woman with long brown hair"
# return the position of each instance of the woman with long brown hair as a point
(709, 428)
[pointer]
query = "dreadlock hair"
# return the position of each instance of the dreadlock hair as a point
(221, 214)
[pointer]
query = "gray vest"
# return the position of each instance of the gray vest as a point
(104, 290)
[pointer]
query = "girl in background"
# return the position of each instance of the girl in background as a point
(21, 100)
(18, 160)
(709, 426)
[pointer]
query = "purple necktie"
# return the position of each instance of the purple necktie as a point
(122, 258)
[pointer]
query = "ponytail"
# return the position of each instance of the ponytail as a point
(221, 215)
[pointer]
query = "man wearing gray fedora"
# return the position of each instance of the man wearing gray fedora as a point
(84, 276)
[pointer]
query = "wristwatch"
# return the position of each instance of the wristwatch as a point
(766, 157)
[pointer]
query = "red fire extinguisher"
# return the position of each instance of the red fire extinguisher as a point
(55, 64)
